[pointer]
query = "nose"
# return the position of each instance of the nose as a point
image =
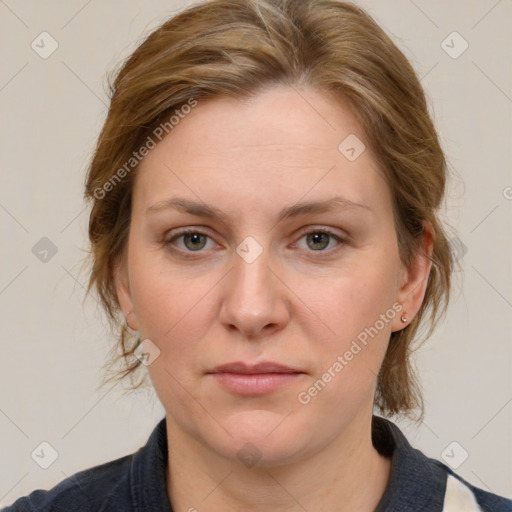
(255, 299)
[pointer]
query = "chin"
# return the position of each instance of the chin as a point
(263, 438)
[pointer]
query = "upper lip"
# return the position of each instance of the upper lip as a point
(263, 367)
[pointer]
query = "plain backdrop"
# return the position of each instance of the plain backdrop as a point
(53, 344)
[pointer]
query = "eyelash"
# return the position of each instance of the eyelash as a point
(303, 234)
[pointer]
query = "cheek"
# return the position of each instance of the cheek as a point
(172, 312)
(175, 313)
(163, 299)
(353, 300)
(349, 343)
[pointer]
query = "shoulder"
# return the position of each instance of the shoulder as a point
(418, 482)
(88, 490)
(462, 495)
(120, 485)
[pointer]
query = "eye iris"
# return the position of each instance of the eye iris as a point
(316, 238)
(195, 239)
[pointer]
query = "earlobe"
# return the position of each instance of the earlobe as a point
(124, 297)
(415, 279)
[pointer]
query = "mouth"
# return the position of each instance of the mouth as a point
(245, 379)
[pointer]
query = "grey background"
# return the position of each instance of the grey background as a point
(53, 345)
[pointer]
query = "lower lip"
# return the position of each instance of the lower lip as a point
(254, 384)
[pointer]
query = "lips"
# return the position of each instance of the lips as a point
(254, 379)
(248, 369)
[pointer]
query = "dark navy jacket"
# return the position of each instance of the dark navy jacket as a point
(137, 482)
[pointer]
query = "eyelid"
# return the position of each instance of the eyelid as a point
(322, 229)
(342, 239)
(200, 230)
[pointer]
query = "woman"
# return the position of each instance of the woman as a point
(264, 231)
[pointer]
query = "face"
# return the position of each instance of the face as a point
(241, 271)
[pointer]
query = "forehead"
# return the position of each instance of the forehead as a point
(278, 146)
(280, 119)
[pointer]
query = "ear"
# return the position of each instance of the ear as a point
(124, 296)
(414, 280)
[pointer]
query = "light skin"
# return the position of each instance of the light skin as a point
(301, 302)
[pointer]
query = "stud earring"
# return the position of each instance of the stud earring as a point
(404, 319)
(126, 313)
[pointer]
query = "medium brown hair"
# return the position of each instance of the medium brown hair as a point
(238, 48)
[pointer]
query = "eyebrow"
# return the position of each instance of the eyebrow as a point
(200, 209)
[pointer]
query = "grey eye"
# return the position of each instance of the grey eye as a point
(319, 240)
(192, 241)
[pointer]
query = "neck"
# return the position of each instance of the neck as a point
(348, 474)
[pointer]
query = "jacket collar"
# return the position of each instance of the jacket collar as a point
(415, 482)
(148, 473)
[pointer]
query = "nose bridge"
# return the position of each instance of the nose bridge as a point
(252, 267)
(252, 294)
(251, 280)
